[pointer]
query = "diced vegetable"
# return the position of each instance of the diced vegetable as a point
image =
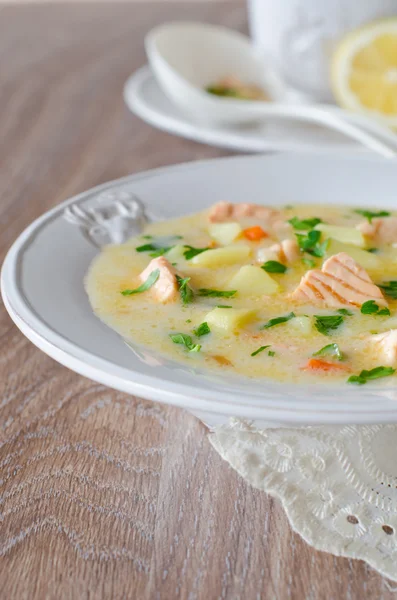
(222, 256)
(229, 320)
(175, 254)
(253, 281)
(316, 364)
(365, 259)
(301, 325)
(224, 233)
(254, 234)
(347, 235)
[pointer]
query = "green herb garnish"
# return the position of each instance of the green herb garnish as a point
(147, 237)
(345, 311)
(375, 373)
(223, 306)
(310, 243)
(185, 340)
(185, 290)
(304, 224)
(373, 250)
(309, 262)
(151, 280)
(188, 321)
(154, 250)
(273, 266)
(191, 252)
(371, 308)
(220, 90)
(261, 349)
(326, 324)
(330, 350)
(202, 329)
(216, 293)
(369, 214)
(278, 321)
(389, 288)
(271, 353)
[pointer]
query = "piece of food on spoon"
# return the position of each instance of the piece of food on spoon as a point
(233, 87)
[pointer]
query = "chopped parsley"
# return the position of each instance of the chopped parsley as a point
(202, 329)
(154, 249)
(309, 262)
(146, 285)
(326, 324)
(223, 306)
(185, 290)
(221, 90)
(345, 311)
(273, 266)
(261, 349)
(373, 250)
(278, 321)
(309, 243)
(375, 373)
(369, 214)
(216, 293)
(389, 288)
(185, 340)
(191, 252)
(330, 350)
(147, 237)
(271, 353)
(371, 308)
(188, 321)
(304, 224)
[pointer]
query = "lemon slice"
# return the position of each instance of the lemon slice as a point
(364, 71)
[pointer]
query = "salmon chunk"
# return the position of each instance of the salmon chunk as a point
(166, 287)
(341, 282)
(286, 251)
(225, 211)
(387, 344)
(382, 229)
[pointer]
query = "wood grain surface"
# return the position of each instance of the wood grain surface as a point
(103, 495)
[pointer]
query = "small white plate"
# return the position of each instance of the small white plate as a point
(42, 283)
(145, 98)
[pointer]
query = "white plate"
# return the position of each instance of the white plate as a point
(42, 283)
(145, 98)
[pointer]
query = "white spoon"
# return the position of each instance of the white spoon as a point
(187, 57)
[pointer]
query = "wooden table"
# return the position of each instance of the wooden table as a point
(103, 495)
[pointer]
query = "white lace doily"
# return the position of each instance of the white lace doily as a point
(338, 485)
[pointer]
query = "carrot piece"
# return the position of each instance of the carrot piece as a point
(255, 233)
(315, 364)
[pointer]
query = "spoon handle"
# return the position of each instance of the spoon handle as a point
(362, 129)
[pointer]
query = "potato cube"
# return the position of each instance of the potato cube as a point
(301, 325)
(365, 259)
(224, 233)
(220, 257)
(176, 253)
(227, 320)
(348, 235)
(253, 281)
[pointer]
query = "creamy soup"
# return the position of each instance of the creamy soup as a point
(303, 293)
